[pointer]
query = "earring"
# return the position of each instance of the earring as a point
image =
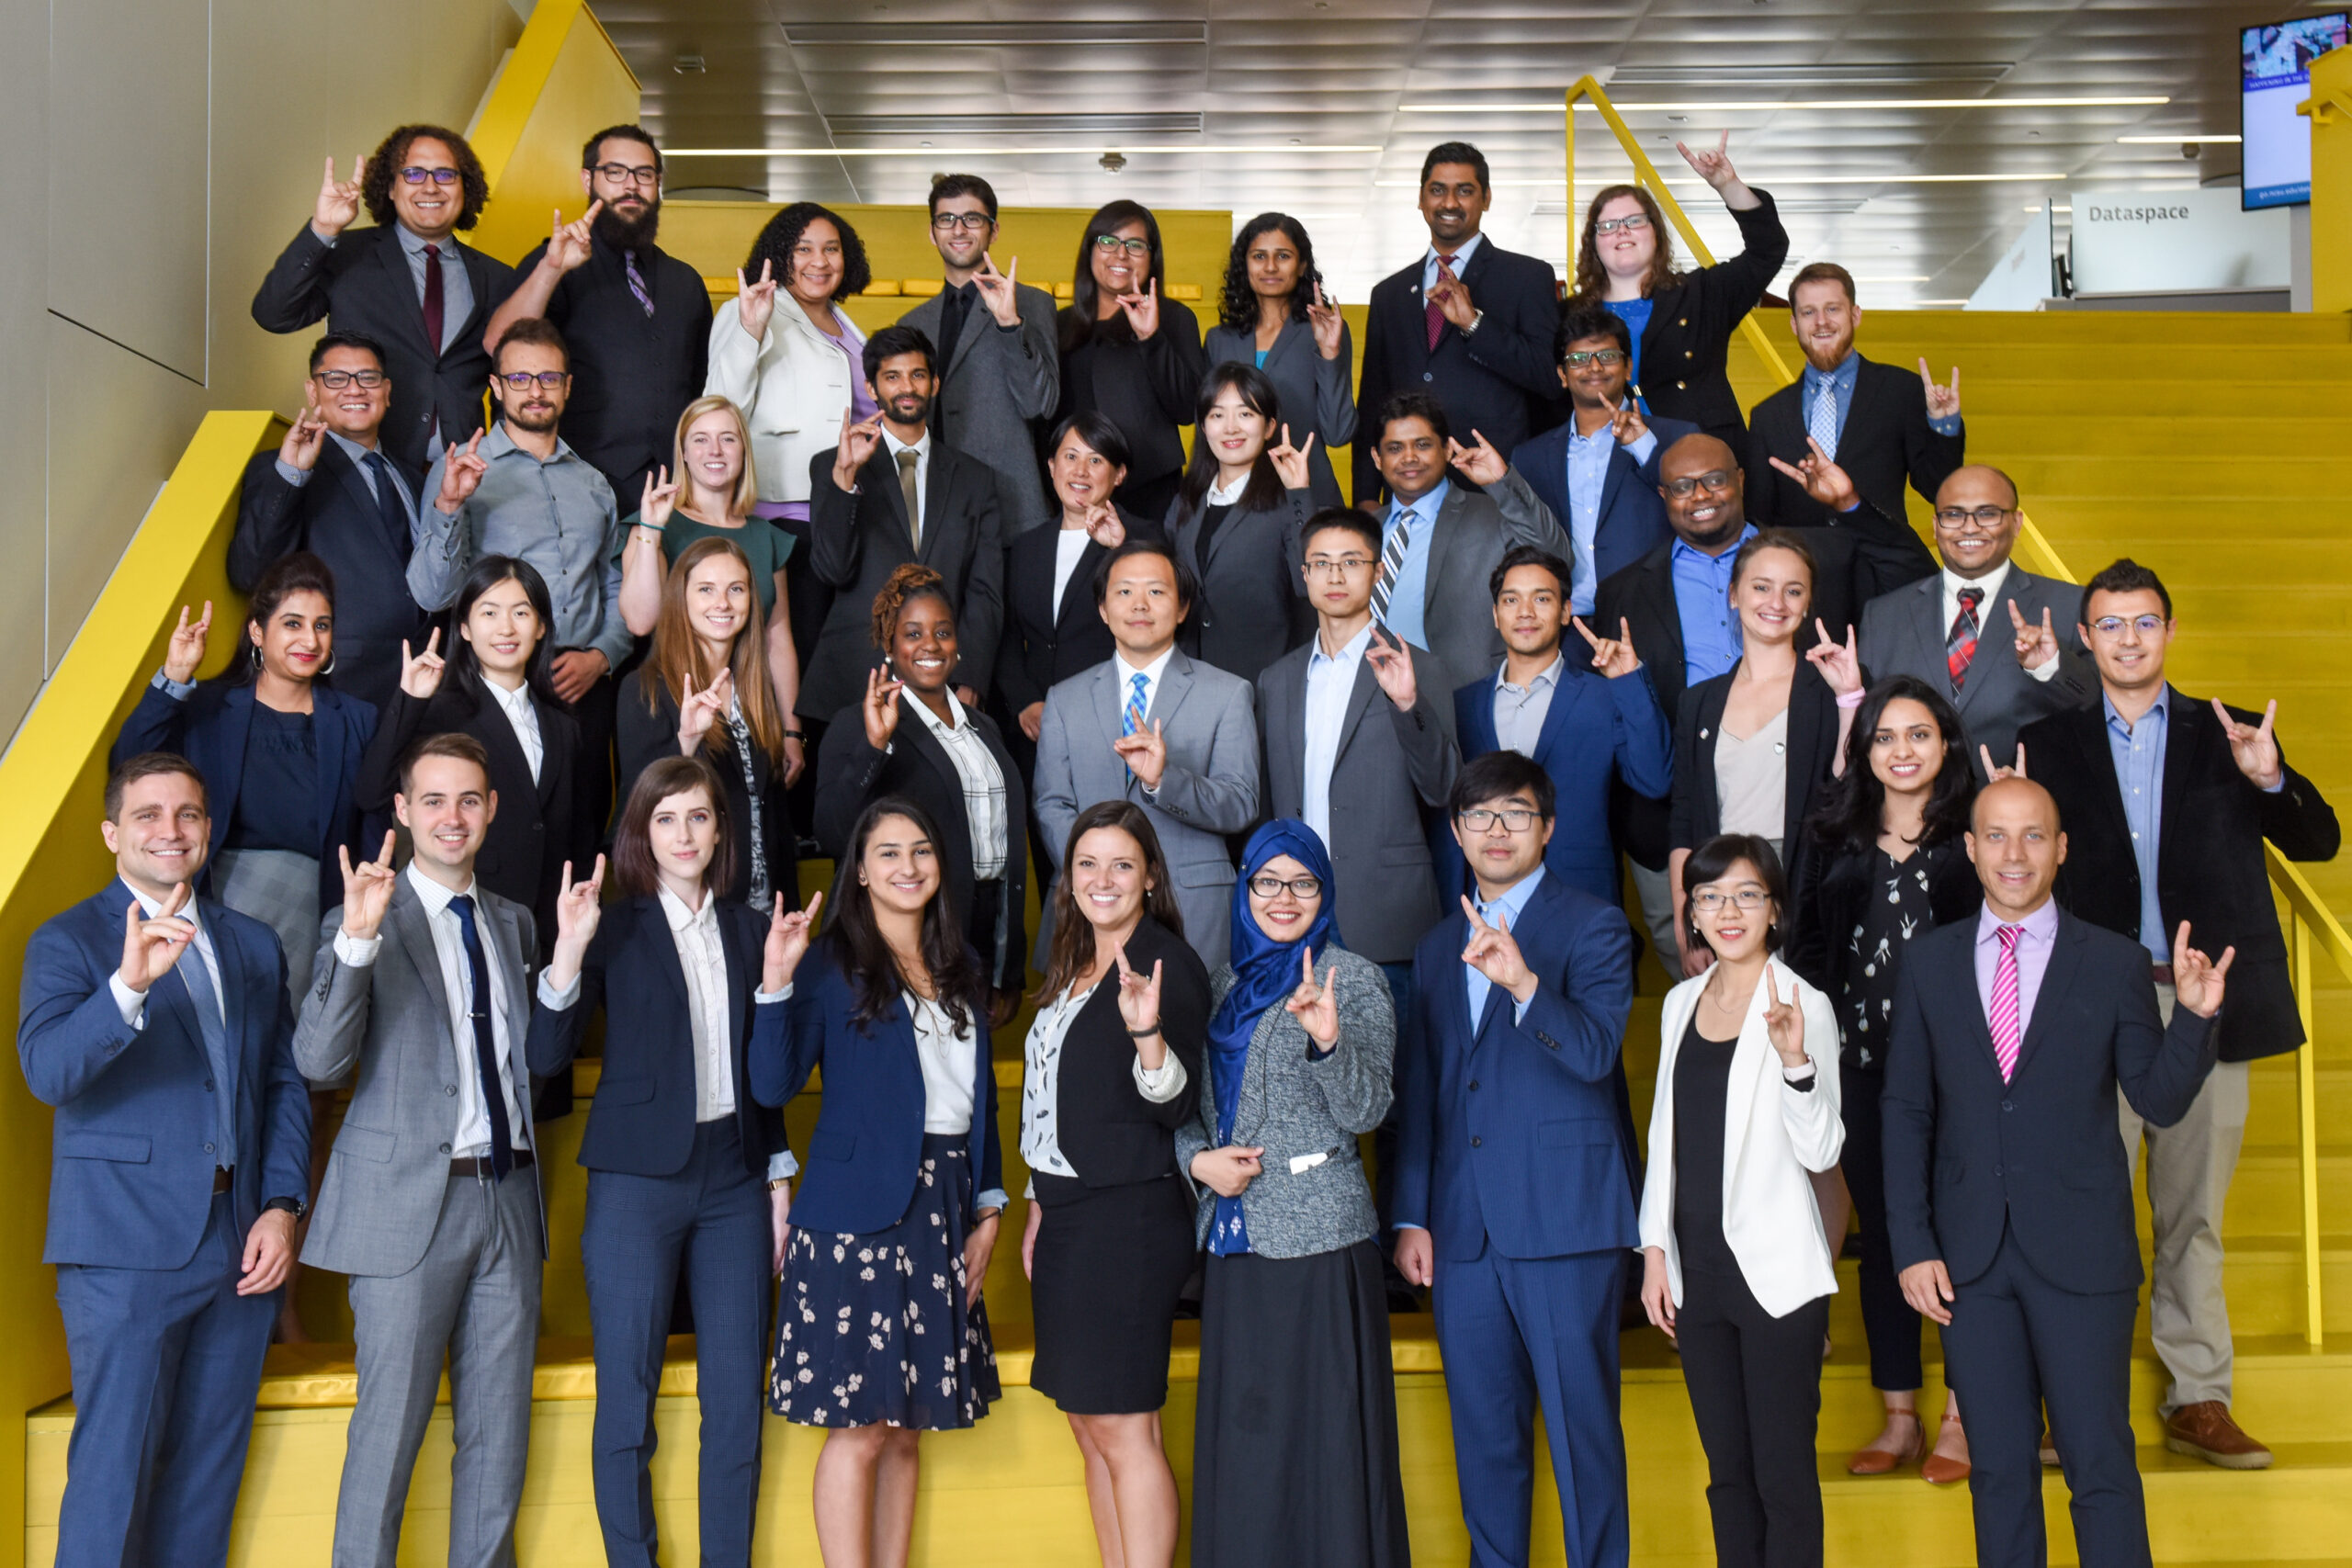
(329, 669)
(255, 649)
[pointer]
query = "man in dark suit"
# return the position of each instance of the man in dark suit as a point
(2009, 1199)
(637, 319)
(2167, 800)
(1000, 372)
(1469, 322)
(1599, 471)
(157, 1024)
(1514, 1204)
(1872, 419)
(359, 518)
(407, 283)
(891, 493)
(1939, 627)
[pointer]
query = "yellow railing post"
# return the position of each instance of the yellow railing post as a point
(2307, 1127)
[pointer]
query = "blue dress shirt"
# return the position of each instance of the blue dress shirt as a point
(1409, 596)
(1841, 386)
(1587, 479)
(1509, 908)
(1461, 260)
(1702, 597)
(2139, 754)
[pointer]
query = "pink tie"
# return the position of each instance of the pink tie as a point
(1432, 313)
(2006, 1035)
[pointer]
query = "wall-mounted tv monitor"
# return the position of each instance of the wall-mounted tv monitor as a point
(2274, 75)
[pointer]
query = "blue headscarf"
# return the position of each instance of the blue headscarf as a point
(1265, 972)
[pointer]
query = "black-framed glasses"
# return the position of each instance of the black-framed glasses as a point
(336, 380)
(1300, 887)
(970, 223)
(1577, 358)
(549, 380)
(1137, 248)
(417, 176)
(1480, 819)
(1714, 481)
(1346, 565)
(1748, 899)
(1632, 222)
(629, 174)
(1984, 517)
(2112, 626)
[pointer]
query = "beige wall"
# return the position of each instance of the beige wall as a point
(161, 154)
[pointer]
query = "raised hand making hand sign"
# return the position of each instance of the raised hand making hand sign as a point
(421, 672)
(303, 439)
(1494, 953)
(880, 708)
(1145, 753)
(1611, 656)
(790, 932)
(997, 292)
(568, 243)
(367, 891)
(1943, 403)
(1316, 1006)
(2252, 746)
(857, 443)
(460, 476)
(1481, 464)
(755, 302)
(1142, 310)
(2036, 644)
(1822, 478)
(184, 654)
(150, 947)
(338, 201)
(577, 912)
(1326, 323)
(1391, 668)
(698, 710)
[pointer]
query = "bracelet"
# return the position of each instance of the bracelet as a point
(795, 735)
(1853, 699)
(1143, 1033)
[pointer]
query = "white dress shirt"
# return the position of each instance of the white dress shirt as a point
(525, 718)
(1991, 584)
(132, 1004)
(1330, 679)
(983, 783)
(1226, 496)
(473, 1139)
(1068, 545)
(948, 1056)
(921, 449)
(695, 931)
(1041, 1146)
(1150, 673)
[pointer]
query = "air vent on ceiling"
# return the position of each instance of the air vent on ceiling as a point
(1834, 206)
(992, 35)
(1887, 73)
(1094, 126)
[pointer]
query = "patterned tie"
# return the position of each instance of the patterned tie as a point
(1823, 425)
(2007, 1034)
(637, 281)
(1431, 312)
(1132, 719)
(214, 1030)
(1392, 561)
(391, 507)
(433, 323)
(1960, 643)
(911, 494)
(493, 1089)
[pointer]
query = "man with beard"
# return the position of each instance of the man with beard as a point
(891, 493)
(520, 491)
(1870, 419)
(637, 319)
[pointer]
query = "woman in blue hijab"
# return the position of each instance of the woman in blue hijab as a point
(1295, 1435)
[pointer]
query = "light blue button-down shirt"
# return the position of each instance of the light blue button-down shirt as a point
(1520, 711)
(1587, 479)
(1508, 907)
(2139, 752)
(1459, 260)
(1841, 388)
(1408, 595)
(1330, 679)
(1703, 600)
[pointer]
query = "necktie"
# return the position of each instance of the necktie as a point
(1431, 312)
(433, 323)
(494, 1082)
(1392, 561)
(215, 1031)
(2007, 1034)
(911, 493)
(1132, 719)
(1960, 643)
(1822, 423)
(391, 507)
(637, 281)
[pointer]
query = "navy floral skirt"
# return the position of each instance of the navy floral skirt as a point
(873, 1328)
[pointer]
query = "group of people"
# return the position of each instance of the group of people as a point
(1306, 788)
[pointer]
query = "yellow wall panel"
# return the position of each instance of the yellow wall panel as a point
(564, 82)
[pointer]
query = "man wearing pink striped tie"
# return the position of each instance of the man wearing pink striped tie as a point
(2009, 1197)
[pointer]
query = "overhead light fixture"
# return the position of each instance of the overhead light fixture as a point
(1099, 128)
(992, 35)
(1070, 151)
(687, 65)
(1766, 106)
(1887, 74)
(2175, 141)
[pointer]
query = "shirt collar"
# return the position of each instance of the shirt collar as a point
(1151, 671)
(2160, 709)
(1549, 675)
(938, 724)
(352, 450)
(497, 444)
(1350, 651)
(518, 701)
(150, 907)
(434, 897)
(1990, 583)
(674, 911)
(1429, 505)
(1578, 439)
(2042, 926)
(1515, 899)
(1459, 260)
(1684, 550)
(414, 243)
(1842, 378)
(1226, 495)
(920, 446)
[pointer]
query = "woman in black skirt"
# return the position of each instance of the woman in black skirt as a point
(880, 1332)
(1114, 1065)
(1294, 1437)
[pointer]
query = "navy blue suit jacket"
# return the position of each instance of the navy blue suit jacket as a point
(1632, 521)
(642, 1119)
(1508, 1132)
(866, 1152)
(209, 729)
(1596, 728)
(130, 1171)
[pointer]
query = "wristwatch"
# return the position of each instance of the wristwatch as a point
(294, 1206)
(1477, 320)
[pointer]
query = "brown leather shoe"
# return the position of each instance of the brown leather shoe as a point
(1886, 1462)
(2204, 1430)
(1938, 1471)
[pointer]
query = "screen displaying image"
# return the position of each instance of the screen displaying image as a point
(2274, 75)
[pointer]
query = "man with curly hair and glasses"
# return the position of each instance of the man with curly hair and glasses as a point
(407, 282)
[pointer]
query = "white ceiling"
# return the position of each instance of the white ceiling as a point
(1249, 106)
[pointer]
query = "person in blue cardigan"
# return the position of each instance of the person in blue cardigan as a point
(899, 1200)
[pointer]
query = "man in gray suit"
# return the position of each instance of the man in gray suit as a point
(432, 1203)
(1175, 735)
(1441, 542)
(999, 368)
(1363, 721)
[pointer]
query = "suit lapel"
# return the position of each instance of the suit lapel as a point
(2185, 740)
(350, 482)
(935, 498)
(1474, 719)
(881, 473)
(1108, 699)
(414, 927)
(1805, 725)
(555, 753)
(327, 721)
(1442, 529)
(1174, 682)
(2057, 984)
(1078, 597)
(1360, 695)
(1565, 695)
(393, 259)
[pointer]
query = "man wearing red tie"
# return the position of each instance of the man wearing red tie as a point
(2008, 1197)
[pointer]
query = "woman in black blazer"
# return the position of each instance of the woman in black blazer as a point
(1273, 316)
(1239, 521)
(704, 691)
(685, 1168)
(910, 737)
(495, 687)
(1752, 745)
(1683, 322)
(1129, 352)
(1885, 859)
(1113, 1067)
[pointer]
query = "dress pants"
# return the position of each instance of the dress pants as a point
(1515, 1332)
(1755, 1384)
(1656, 894)
(473, 1297)
(1888, 1322)
(167, 1363)
(2014, 1343)
(708, 1223)
(2189, 1167)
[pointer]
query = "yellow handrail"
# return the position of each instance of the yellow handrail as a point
(2309, 923)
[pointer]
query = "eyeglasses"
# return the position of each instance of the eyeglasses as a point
(336, 380)
(1479, 820)
(970, 223)
(549, 380)
(1714, 480)
(416, 176)
(1272, 887)
(622, 174)
(1577, 358)
(2112, 626)
(1346, 565)
(1986, 517)
(1632, 222)
(1114, 242)
(1746, 898)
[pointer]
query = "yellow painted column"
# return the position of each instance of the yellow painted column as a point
(2330, 110)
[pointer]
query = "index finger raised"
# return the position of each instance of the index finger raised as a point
(1584, 631)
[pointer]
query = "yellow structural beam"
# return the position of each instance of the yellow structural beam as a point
(564, 82)
(2329, 108)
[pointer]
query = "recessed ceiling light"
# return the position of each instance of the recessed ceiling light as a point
(2171, 140)
(998, 152)
(1769, 106)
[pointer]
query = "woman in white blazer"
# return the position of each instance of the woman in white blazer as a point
(1736, 1268)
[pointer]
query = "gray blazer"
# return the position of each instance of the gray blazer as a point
(1316, 394)
(1297, 1108)
(1390, 767)
(390, 1021)
(995, 384)
(1474, 532)
(1903, 634)
(1210, 787)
